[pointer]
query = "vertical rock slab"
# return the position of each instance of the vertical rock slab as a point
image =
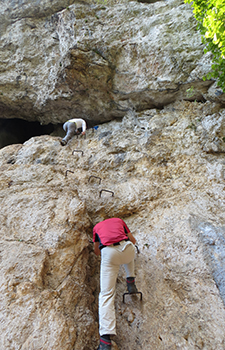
(164, 173)
(47, 268)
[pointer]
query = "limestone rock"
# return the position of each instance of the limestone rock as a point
(47, 267)
(161, 172)
(98, 61)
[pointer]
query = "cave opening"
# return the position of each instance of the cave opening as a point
(14, 131)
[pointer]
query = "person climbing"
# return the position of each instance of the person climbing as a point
(116, 244)
(71, 128)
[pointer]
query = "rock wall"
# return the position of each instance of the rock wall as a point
(47, 266)
(157, 162)
(162, 171)
(98, 60)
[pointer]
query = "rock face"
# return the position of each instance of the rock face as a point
(47, 267)
(159, 165)
(162, 171)
(98, 60)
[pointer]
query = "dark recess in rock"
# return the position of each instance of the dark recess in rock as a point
(18, 131)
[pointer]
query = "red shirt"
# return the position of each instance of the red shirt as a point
(110, 231)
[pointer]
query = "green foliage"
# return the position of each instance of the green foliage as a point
(210, 15)
(102, 2)
(190, 92)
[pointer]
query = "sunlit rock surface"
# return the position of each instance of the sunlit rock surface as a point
(47, 267)
(162, 171)
(97, 60)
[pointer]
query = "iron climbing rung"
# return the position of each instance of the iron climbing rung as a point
(100, 193)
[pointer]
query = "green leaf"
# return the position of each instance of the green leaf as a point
(210, 15)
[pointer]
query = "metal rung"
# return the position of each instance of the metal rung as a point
(124, 294)
(69, 171)
(100, 193)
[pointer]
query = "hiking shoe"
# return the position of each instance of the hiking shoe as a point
(104, 347)
(63, 142)
(131, 287)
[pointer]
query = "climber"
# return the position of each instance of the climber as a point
(114, 241)
(71, 128)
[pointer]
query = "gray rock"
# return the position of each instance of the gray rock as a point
(98, 61)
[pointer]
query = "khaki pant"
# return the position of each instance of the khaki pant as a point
(70, 129)
(111, 259)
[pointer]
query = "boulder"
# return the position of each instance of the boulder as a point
(99, 60)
